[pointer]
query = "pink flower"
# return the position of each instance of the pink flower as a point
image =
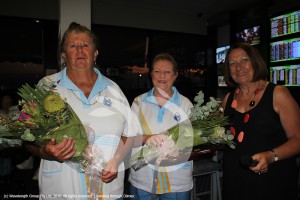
(23, 116)
(26, 119)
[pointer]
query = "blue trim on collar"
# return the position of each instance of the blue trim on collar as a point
(149, 98)
(100, 84)
(160, 115)
(175, 97)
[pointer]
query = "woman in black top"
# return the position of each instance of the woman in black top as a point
(266, 127)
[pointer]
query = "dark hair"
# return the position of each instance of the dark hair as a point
(258, 63)
(77, 28)
(166, 57)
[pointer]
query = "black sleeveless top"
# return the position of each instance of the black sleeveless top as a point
(262, 132)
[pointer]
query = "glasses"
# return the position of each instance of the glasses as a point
(234, 63)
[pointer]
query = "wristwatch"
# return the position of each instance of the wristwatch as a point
(275, 155)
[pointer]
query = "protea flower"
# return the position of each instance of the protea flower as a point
(53, 103)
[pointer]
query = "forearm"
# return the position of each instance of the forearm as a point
(124, 148)
(288, 149)
(37, 151)
(140, 140)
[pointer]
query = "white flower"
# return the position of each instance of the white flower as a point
(199, 99)
(202, 112)
(218, 133)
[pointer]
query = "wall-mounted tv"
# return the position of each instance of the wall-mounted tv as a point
(288, 75)
(221, 54)
(250, 35)
(285, 24)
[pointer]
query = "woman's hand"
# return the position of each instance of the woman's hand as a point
(264, 159)
(111, 171)
(156, 140)
(61, 151)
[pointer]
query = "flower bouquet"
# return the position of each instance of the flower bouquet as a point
(44, 115)
(205, 128)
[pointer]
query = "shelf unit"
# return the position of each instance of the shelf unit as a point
(285, 48)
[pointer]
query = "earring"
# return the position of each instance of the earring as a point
(95, 63)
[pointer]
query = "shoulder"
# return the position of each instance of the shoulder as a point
(138, 99)
(183, 99)
(110, 82)
(186, 101)
(184, 104)
(112, 86)
(280, 93)
(49, 79)
(282, 99)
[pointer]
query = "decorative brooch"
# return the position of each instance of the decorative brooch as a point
(177, 117)
(107, 101)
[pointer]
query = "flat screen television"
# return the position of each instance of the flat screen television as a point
(221, 54)
(288, 75)
(285, 24)
(250, 35)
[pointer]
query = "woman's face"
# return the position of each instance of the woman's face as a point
(241, 69)
(163, 75)
(80, 52)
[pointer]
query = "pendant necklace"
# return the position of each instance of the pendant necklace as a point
(234, 103)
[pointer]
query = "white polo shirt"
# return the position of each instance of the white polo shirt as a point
(176, 178)
(110, 118)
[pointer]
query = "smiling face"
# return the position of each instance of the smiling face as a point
(240, 66)
(163, 75)
(79, 51)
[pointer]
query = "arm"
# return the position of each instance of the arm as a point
(289, 113)
(111, 170)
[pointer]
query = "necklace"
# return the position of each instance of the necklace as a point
(246, 118)
(252, 102)
(89, 104)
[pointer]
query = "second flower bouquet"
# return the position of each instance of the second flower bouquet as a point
(205, 128)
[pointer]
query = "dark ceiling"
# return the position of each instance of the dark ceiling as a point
(29, 41)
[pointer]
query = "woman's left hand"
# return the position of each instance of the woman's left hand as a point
(264, 159)
(111, 171)
(157, 140)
